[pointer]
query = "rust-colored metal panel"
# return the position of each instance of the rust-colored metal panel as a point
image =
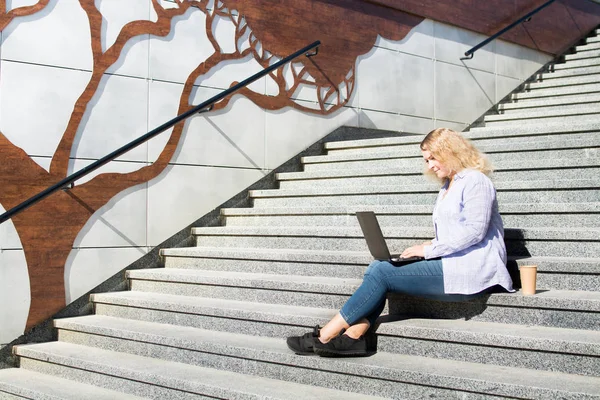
(552, 30)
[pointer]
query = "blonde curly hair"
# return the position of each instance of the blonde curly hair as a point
(454, 151)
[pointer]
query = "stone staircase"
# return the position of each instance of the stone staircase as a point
(212, 323)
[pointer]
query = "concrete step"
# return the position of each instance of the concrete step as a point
(533, 130)
(513, 215)
(308, 291)
(393, 177)
(391, 375)
(222, 315)
(503, 154)
(542, 219)
(412, 174)
(550, 349)
(547, 113)
(502, 161)
(549, 307)
(547, 119)
(24, 384)
(588, 46)
(339, 194)
(549, 102)
(563, 273)
(580, 55)
(340, 264)
(588, 88)
(555, 242)
(578, 309)
(588, 62)
(476, 134)
(486, 143)
(510, 345)
(561, 194)
(569, 80)
(161, 379)
(553, 74)
(490, 146)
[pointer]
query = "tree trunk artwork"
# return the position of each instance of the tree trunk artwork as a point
(264, 29)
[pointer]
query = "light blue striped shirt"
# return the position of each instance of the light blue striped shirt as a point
(469, 235)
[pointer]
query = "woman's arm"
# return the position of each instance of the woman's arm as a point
(478, 200)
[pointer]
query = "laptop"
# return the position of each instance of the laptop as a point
(376, 242)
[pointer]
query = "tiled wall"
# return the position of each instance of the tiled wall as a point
(413, 85)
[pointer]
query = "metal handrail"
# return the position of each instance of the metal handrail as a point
(205, 106)
(469, 53)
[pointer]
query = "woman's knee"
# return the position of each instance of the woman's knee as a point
(376, 267)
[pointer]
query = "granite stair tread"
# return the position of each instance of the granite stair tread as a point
(560, 340)
(547, 233)
(347, 264)
(577, 64)
(550, 264)
(564, 81)
(593, 39)
(541, 338)
(550, 102)
(416, 169)
(280, 313)
(569, 72)
(267, 254)
(544, 298)
(559, 91)
(588, 46)
(550, 118)
(583, 54)
(248, 279)
(176, 376)
(533, 130)
(388, 366)
(490, 146)
(579, 109)
(414, 140)
(489, 379)
(224, 308)
(33, 385)
(525, 208)
(518, 151)
(473, 134)
(426, 187)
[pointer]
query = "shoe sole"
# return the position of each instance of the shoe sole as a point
(341, 353)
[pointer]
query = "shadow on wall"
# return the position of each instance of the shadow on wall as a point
(44, 12)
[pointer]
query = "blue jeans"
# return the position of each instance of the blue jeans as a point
(423, 278)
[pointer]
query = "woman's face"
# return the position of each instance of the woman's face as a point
(440, 170)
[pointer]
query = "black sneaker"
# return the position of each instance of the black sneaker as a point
(342, 346)
(303, 345)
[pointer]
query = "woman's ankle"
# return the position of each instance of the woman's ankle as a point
(332, 329)
(358, 330)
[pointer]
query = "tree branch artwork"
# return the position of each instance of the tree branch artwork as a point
(264, 30)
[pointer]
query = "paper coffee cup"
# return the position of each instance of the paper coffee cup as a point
(528, 278)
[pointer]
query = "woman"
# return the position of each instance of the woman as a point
(466, 259)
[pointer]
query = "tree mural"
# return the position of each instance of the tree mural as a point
(264, 30)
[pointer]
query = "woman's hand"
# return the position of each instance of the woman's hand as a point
(414, 251)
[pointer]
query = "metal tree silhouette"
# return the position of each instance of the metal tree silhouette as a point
(48, 229)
